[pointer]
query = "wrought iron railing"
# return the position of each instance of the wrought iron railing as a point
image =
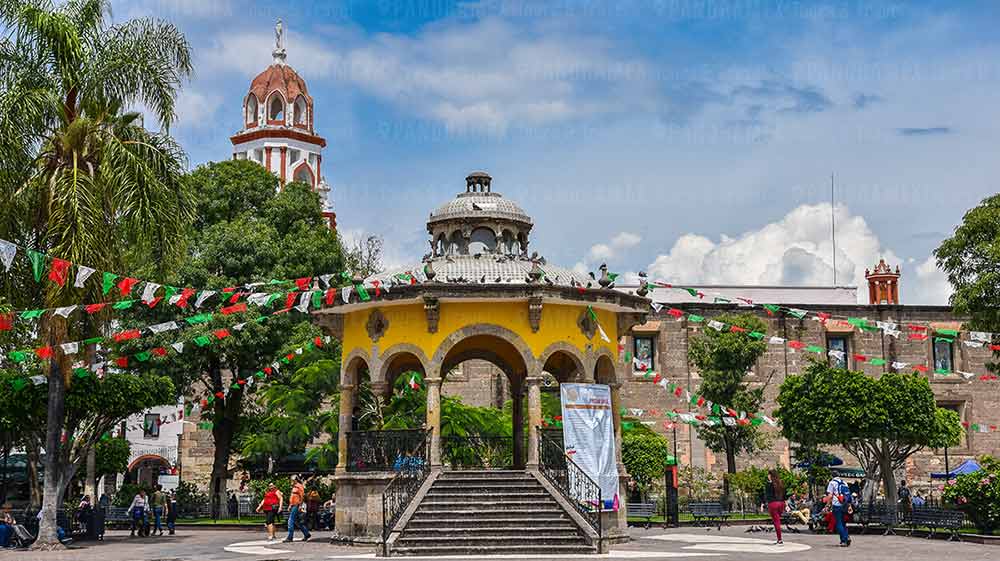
(398, 494)
(578, 488)
(384, 450)
(478, 451)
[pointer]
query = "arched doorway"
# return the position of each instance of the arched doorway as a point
(146, 470)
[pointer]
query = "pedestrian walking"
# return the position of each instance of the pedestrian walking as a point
(137, 512)
(271, 505)
(774, 496)
(172, 512)
(295, 511)
(312, 509)
(159, 507)
(838, 496)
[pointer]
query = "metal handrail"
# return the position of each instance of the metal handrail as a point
(411, 472)
(573, 483)
(478, 451)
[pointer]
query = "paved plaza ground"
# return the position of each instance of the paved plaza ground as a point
(731, 543)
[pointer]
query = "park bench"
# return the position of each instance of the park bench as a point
(788, 523)
(709, 514)
(117, 517)
(935, 518)
(642, 510)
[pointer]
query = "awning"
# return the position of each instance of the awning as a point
(968, 466)
(825, 460)
(852, 472)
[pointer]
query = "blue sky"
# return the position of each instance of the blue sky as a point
(690, 139)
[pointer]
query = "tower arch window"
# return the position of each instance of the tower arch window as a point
(251, 110)
(303, 174)
(276, 108)
(456, 245)
(299, 114)
(440, 246)
(483, 240)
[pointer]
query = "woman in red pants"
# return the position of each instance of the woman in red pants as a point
(774, 495)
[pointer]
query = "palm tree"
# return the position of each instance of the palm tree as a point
(81, 178)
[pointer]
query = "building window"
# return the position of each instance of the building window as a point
(151, 425)
(644, 352)
(277, 109)
(838, 343)
(943, 355)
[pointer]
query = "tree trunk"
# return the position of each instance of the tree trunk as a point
(34, 456)
(730, 467)
(52, 493)
(226, 415)
(90, 485)
(888, 475)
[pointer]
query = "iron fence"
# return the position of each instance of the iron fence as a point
(399, 493)
(384, 450)
(571, 481)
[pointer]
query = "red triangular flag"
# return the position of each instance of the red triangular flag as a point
(186, 293)
(675, 312)
(125, 285)
(6, 321)
(318, 341)
(657, 378)
(58, 271)
(912, 327)
(204, 403)
(701, 401)
(268, 370)
(920, 367)
(241, 307)
(122, 361)
(220, 395)
(737, 329)
(221, 333)
(44, 352)
(290, 356)
(126, 335)
(303, 283)
(290, 299)
(160, 351)
(94, 308)
(331, 295)
(229, 289)
(241, 381)
(860, 358)
(378, 291)
(152, 303)
(236, 297)
(678, 391)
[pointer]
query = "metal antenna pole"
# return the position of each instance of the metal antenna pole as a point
(833, 229)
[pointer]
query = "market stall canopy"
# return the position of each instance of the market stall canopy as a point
(853, 472)
(825, 460)
(968, 466)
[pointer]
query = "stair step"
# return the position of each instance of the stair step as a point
(553, 523)
(451, 514)
(498, 496)
(521, 531)
(488, 484)
(480, 506)
(494, 540)
(553, 550)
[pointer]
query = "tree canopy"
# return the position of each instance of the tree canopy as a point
(881, 421)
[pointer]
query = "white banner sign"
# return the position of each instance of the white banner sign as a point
(589, 437)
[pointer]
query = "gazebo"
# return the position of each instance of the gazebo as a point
(477, 295)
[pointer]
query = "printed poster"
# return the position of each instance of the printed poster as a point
(589, 436)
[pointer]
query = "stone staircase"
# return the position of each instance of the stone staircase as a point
(489, 513)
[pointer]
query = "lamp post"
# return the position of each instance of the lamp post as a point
(947, 469)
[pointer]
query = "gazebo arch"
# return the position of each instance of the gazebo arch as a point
(397, 359)
(563, 361)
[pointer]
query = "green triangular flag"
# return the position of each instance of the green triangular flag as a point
(943, 340)
(948, 332)
(756, 334)
(942, 371)
(612, 276)
(200, 318)
(815, 349)
(169, 291)
(31, 314)
(691, 291)
(202, 341)
(798, 314)
(210, 399)
(628, 356)
(18, 356)
(317, 299)
(756, 422)
(123, 304)
(628, 425)
(773, 308)
(108, 282)
(272, 298)
(143, 356)
(81, 372)
(362, 293)
(93, 340)
(37, 264)
(18, 384)
(719, 299)
(695, 318)
(857, 322)
(877, 361)
(235, 386)
(260, 374)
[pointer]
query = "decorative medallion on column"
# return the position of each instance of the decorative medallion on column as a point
(377, 325)
(535, 313)
(432, 309)
(587, 324)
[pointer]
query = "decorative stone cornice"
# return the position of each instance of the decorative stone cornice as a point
(535, 313)
(432, 309)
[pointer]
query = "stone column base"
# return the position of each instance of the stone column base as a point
(358, 517)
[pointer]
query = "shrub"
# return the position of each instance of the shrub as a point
(645, 456)
(752, 480)
(978, 494)
(189, 498)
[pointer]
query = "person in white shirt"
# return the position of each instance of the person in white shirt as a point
(137, 510)
(838, 495)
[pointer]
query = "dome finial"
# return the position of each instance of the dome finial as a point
(478, 182)
(279, 52)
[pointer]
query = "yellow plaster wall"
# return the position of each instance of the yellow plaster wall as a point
(408, 324)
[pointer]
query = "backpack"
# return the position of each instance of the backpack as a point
(844, 492)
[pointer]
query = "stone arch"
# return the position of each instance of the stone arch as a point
(399, 358)
(441, 245)
(304, 174)
(352, 365)
(456, 244)
(565, 360)
(251, 110)
(276, 108)
(300, 113)
(147, 457)
(482, 332)
(482, 240)
(605, 371)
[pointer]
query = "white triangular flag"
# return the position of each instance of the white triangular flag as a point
(656, 306)
(966, 375)
(769, 420)
(885, 325)
(326, 279)
(776, 341)
(345, 293)
(326, 338)
(82, 274)
(973, 344)
(981, 336)
(304, 302)
(298, 351)
(604, 336)
(202, 296)
(149, 292)
(899, 365)
(65, 311)
(38, 380)
(893, 333)
(174, 299)
(179, 347)
(165, 326)
(258, 298)
(840, 355)
(729, 421)
(70, 348)
(716, 325)
(7, 253)
(240, 326)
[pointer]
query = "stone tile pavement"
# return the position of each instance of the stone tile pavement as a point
(732, 543)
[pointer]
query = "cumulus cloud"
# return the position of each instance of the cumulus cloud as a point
(606, 251)
(795, 250)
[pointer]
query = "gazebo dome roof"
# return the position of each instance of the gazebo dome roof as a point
(476, 206)
(487, 269)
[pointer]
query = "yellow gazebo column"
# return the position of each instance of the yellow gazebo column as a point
(534, 419)
(346, 422)
(434, 419)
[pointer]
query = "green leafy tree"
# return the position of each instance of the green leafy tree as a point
(723, 359)
(645, 455)
(248, 230)
(112, 456)
(82, 179)
(896, 418)
(971, 259)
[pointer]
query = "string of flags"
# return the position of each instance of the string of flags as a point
(915, 331)
(796, 345)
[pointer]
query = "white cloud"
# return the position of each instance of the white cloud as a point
(196, 109)
(249, 53)
(795, 250)
(611, 250)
